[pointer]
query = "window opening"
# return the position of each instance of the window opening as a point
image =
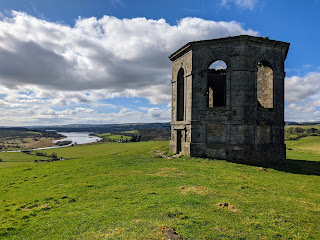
(265, 84)
(179, 137)
(180, 95)
(217, 84)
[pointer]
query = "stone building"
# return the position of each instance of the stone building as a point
(228, 99)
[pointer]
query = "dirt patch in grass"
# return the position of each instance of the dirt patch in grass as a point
(194, 189)
(113, 233)
(36, 206)
(228, 206)
(262, 169)
(221, 229)
(160, 154)
(163, 233)
(170, 233)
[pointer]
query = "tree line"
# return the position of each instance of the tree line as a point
(294, 133)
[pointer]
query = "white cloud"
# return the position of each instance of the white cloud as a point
(298, 114)
(160, 114)
(300, 89)
(302, 94)
(301, 108)
(240, 3)
(47, 66)
(123, 56)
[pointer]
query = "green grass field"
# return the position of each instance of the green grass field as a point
(133, 191)
(132, 131)
(114, 137)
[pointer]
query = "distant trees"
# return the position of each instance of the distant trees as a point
(40, 154)
(52, 155)
(294, 133)
(63, 143)
(299, 130)
(136, 138)
(148, 134)
(51, 134)
(143, 134)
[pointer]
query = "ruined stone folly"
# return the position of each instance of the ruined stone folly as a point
(228, 99)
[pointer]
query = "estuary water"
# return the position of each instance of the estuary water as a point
(75, 137)
(78, 137)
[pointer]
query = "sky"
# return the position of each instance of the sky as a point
(106, 61)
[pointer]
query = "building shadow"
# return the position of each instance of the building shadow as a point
(304, 167)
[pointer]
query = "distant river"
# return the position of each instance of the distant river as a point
(75, 137)
(78, 137)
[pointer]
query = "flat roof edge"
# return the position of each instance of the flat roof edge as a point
(183, 49)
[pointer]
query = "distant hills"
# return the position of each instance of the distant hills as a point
(302, 123)
(101, 128)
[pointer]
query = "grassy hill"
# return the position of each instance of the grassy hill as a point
(139, 191)
(114, 137)
(103, 128)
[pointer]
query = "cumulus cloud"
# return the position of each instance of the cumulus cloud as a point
(51, 72)
(157, 113)
(302, 94)
(33, 116)
(46, 66)
(119, 55)
(302, 113)
(299, 89)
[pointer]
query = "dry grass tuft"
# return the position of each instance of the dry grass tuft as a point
(229, 206)
(115, 232)
(160, 154)
(194, 189)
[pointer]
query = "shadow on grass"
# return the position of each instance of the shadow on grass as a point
(301, 167)
(305, 167)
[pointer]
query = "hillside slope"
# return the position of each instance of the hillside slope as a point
(138, 191)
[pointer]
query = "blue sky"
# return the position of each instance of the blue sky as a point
(105, 61)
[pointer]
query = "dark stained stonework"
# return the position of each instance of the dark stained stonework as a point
(235, 114)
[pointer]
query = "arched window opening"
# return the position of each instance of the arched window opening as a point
(265, 84)
(217, 84)
(180, 95)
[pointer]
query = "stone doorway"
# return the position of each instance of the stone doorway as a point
(179, 137)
